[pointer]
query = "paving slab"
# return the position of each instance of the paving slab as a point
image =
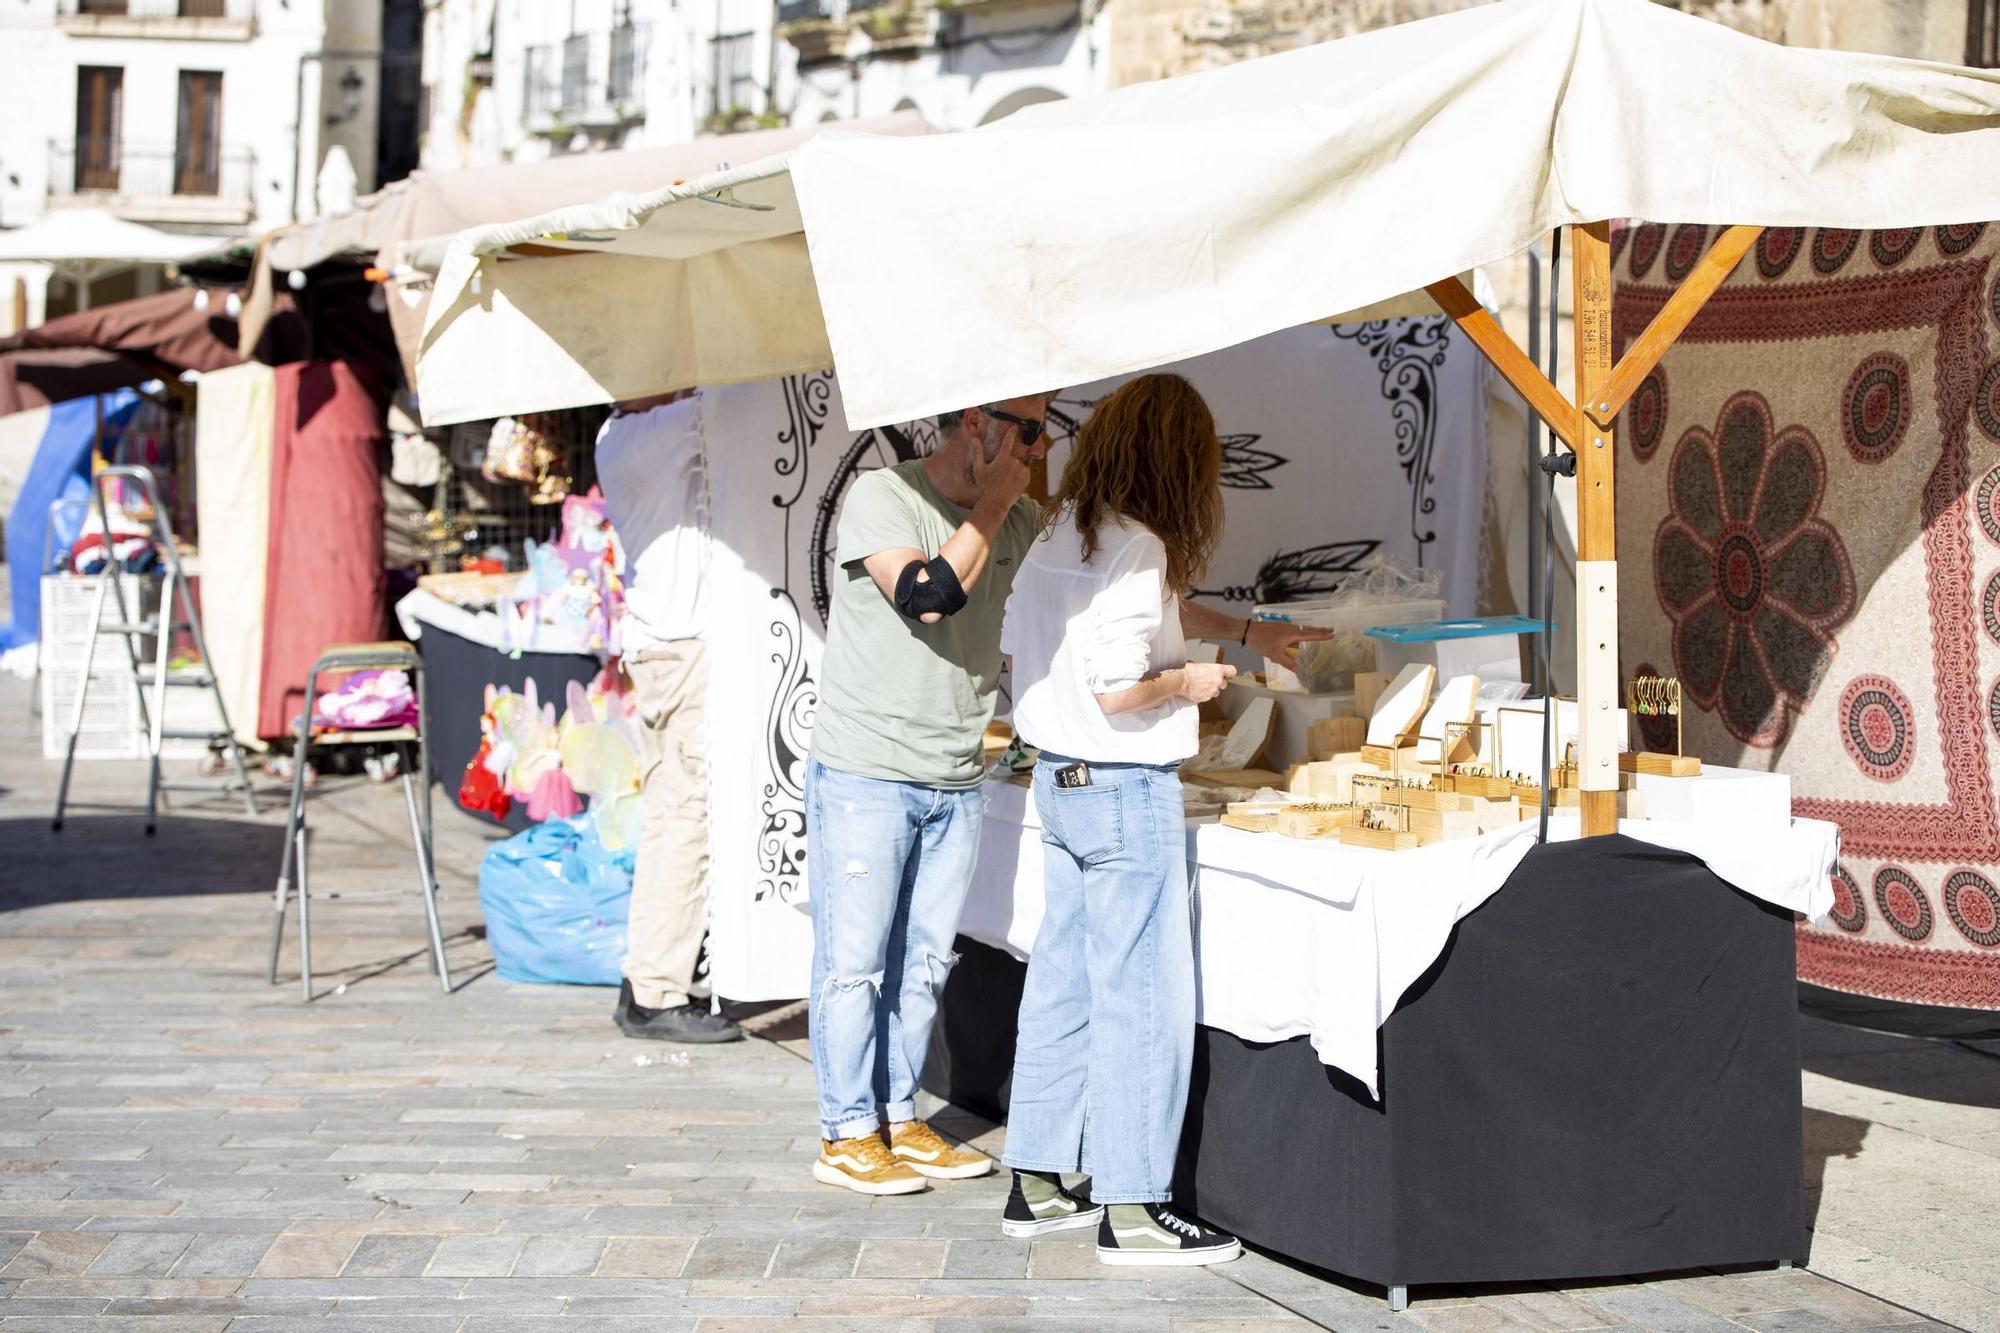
(210, 1152)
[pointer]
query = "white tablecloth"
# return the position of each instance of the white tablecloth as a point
(1301, 937)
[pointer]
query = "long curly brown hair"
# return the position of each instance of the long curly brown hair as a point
(1149, 454)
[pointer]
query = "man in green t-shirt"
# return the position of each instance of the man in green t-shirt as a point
(927, 553)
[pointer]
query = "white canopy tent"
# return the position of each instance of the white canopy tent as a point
(84, 244)
(1076, 240)
(439, 204)
(650, 297)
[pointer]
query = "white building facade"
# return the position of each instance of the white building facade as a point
(214, 117)
(520, 80)
(959, 65)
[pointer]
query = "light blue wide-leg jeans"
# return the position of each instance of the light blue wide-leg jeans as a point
(889, 864)
(1106, 1038)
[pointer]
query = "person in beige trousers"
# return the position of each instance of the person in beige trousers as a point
(650, 464)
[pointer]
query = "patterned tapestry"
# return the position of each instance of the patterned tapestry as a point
(1809, 537)
(1339, 443)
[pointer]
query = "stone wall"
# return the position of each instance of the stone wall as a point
(1154, 39)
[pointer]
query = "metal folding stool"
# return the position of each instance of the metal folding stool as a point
(413, 744)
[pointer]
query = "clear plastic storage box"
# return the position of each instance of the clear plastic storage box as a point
(1329, 666)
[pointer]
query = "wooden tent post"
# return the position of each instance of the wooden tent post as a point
(1586, 426)
(1596, 533)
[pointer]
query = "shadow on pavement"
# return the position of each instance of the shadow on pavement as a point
(109, 856)
(1956, 1072)
(1827, 1135)
(335, 979)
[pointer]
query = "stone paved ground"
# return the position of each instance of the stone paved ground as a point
(183, 1147)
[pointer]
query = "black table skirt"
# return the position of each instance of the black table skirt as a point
(457, 671)
(1599, 1076)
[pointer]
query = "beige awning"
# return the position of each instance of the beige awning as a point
(439, 204)
(703, 283)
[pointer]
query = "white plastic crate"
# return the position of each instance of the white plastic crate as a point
(113, 723)
(111, 713)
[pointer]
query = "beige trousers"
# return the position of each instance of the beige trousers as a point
(670, 879)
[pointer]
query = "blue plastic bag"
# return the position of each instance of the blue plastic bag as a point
(556, 904)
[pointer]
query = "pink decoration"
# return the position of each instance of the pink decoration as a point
(553, 797)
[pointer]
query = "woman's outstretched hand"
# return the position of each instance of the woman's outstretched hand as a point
(1202, 681)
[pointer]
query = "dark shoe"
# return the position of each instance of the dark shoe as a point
(1066, 1208)
(683, 1022)
(1153, 1233)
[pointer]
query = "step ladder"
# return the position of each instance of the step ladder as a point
(177, 612)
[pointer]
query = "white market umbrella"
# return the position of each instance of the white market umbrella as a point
(84, 244)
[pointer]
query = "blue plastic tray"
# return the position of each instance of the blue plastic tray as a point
(1470, 627)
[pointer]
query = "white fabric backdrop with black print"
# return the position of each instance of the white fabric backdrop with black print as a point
(1338, 443)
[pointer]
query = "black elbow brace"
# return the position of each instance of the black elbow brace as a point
(941, 593)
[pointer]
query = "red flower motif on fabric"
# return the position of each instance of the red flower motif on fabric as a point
(1850, 910)
(1753, 579)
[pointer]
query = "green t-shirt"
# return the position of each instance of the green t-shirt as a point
(899, 699)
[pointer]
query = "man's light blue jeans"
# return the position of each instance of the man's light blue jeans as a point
(1106, 1039)
(889, 864)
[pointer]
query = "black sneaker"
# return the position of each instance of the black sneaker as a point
(1070, 1207)
(683, 1022)
(1153, 1233)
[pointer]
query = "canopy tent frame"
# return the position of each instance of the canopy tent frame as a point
(1568, 112)
(1602, 390)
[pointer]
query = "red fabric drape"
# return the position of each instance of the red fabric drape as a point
(324, 584)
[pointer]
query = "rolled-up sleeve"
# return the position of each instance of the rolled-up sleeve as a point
(1125, 617)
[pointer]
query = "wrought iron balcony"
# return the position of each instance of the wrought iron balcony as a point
(216, 19)
(629, 44)
(153, 183)
(541, 98)
(577, 81)
(589, 79)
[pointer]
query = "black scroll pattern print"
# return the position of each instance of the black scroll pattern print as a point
(1409, 352)
(781, 838)
(1317, 571)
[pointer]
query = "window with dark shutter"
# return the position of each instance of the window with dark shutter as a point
(1982, 34)
(100, 101)
(198, 140)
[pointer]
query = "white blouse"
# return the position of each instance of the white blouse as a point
(1078, 630)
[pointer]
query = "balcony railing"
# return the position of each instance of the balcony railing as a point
(542, 97)
(576, 72)
(591, 78)
(798, 11)
(152, 181)
(629, 42)
(226, 19)
(159, 9)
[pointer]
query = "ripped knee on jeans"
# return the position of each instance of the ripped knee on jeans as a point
(937, 970)
(839, 982)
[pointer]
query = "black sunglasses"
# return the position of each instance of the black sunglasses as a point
(1031, 430)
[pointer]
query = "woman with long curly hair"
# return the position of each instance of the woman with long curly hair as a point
(1103, 687)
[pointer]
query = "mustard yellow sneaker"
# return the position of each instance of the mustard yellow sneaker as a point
(865, 1166)
(920, 1148)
